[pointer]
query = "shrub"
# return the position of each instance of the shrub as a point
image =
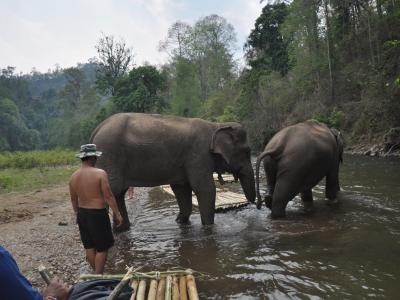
(5, 181)
(333, 120)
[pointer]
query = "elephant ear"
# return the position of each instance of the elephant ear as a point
(223, 143)
(339, 141)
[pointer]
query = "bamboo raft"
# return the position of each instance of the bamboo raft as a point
(224, 200)
(168, 285)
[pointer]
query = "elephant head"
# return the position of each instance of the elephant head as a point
(229, 144)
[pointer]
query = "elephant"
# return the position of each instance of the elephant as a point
(295, 160)
(147, 150)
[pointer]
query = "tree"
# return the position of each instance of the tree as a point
(211, 47)
(72, 92)
(177, 41)
(115, 58)
(185, 91)
(78, 104)
(140, 91)
(266, 48)
(14, 133)
(209, 44)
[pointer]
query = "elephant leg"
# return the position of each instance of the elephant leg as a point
(204, 188)
(332, 184)
(270, 167)
(283, 193)
(183, 194)
(307, 198)
(120, 198)
(118, 189)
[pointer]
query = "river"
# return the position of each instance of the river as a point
(351, 250)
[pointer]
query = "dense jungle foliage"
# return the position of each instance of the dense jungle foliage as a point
(333, 60)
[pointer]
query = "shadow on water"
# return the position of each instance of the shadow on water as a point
(350, 250)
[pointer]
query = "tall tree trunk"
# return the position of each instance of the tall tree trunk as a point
(315, 43)
(328, 48)
(371, 50)
(378, 31)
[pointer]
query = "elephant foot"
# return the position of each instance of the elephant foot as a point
(308, 206)
(259, 204)
(123, 227)
(181, 219)
(278, 215)
(207, 223)
(207, 219)
(268, 201)
(333, 202)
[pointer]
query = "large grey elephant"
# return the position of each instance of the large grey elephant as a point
(150, 150)
(295, 160)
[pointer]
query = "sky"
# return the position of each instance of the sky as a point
(42, 33)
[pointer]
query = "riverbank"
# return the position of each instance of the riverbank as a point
(39, 227)
(383, 145)
(371, 149)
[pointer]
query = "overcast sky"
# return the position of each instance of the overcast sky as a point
(43, 33)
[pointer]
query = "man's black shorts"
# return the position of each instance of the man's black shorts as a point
(95, 228)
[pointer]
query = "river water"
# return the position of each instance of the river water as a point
(351, 250)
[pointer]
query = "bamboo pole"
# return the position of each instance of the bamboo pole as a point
(134, 286)
(141, 290)
(191, 287)
(43, 273)
(161, 289)
(175, 288)
(85, 277)
(123, 283)
(168, 287)
(182, 288)
(136, 275)
(152, 290)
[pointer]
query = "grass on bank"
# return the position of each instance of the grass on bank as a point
(34, 159)
(29, 171)
(24, 180)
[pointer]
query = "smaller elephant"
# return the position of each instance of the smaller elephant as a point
(295, 160)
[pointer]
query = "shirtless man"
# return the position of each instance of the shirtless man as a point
(90, 193)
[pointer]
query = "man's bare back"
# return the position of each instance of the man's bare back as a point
(89, 185)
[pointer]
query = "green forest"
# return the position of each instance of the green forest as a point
(337, 61)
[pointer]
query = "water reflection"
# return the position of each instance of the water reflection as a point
(347, 251)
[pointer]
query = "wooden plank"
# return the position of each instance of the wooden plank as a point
(226, 177)
(224, 199)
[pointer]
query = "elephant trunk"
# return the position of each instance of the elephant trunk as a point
(259, 158)
(246, 178)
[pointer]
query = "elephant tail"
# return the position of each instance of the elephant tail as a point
(259, 159)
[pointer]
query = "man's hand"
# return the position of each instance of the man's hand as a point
(118, 220)
(57, 289)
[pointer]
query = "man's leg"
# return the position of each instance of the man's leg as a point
(100, 261)
(90, 256)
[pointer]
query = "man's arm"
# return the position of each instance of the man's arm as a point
(74, 197)
(14, 285)
(109, 197)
